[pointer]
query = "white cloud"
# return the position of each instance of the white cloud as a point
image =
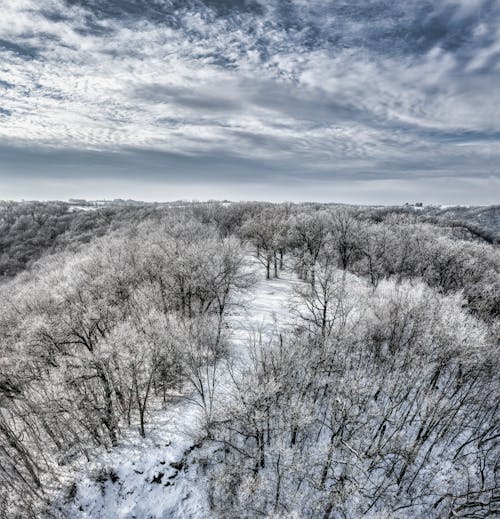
(247, 84)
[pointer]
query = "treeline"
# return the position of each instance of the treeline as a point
(29, 230)
(374, 244)
(381, 401)
(483, 222)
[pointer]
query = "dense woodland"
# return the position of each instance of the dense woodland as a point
(382, 399)
(29, 230)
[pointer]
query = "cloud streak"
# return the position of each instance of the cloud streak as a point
(310, 91)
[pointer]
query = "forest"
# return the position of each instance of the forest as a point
(370, 388)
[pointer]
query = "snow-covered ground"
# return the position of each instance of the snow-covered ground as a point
(74, 208)
(146, 478)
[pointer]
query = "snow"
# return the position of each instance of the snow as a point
(145, 478)
(149, 483)
(265, 308)
(75, 208)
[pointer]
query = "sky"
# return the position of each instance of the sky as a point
(369, 102)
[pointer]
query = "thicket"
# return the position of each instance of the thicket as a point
(91, 341)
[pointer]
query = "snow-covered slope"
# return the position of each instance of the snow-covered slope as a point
(148, 478)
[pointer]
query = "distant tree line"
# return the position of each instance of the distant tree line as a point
(28, 230)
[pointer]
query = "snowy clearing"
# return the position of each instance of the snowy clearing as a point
(147, 478)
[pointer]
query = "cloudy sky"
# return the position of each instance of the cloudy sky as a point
(364, 101)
